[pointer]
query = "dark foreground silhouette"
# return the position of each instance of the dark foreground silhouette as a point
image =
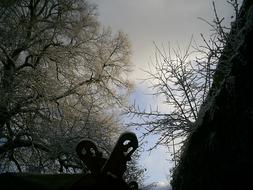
(218, 155)
(104, 173)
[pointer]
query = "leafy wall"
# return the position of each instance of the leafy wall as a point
(219, 154)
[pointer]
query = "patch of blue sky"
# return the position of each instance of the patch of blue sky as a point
(158, 161)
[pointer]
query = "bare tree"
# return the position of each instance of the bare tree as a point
(61, 78)
(183, 79)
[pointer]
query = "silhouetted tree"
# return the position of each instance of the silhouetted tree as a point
(62, 78)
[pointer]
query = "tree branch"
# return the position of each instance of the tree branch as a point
(18, 143)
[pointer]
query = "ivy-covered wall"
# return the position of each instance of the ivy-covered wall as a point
(218, 155)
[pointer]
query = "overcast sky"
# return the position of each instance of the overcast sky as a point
(159, 21)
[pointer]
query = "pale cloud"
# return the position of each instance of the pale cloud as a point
(163, 185)
(158, 164)
(164, 21)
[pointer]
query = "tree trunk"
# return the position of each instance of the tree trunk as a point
(5, 92)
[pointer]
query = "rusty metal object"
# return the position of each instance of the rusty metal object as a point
(91, 157)
(124, 148)
(106, 173)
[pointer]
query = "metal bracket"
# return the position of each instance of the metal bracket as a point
(91, 157)
(116, 164)
(124, 148)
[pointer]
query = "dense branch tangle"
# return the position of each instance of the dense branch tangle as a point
(176, 79)
(59, 72)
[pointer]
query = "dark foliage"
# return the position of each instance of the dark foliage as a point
(218, 154)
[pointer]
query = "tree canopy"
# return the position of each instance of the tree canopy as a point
(62, 76)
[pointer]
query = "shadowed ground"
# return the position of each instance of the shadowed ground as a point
(37, 181)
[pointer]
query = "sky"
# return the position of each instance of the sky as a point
(161, 22)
